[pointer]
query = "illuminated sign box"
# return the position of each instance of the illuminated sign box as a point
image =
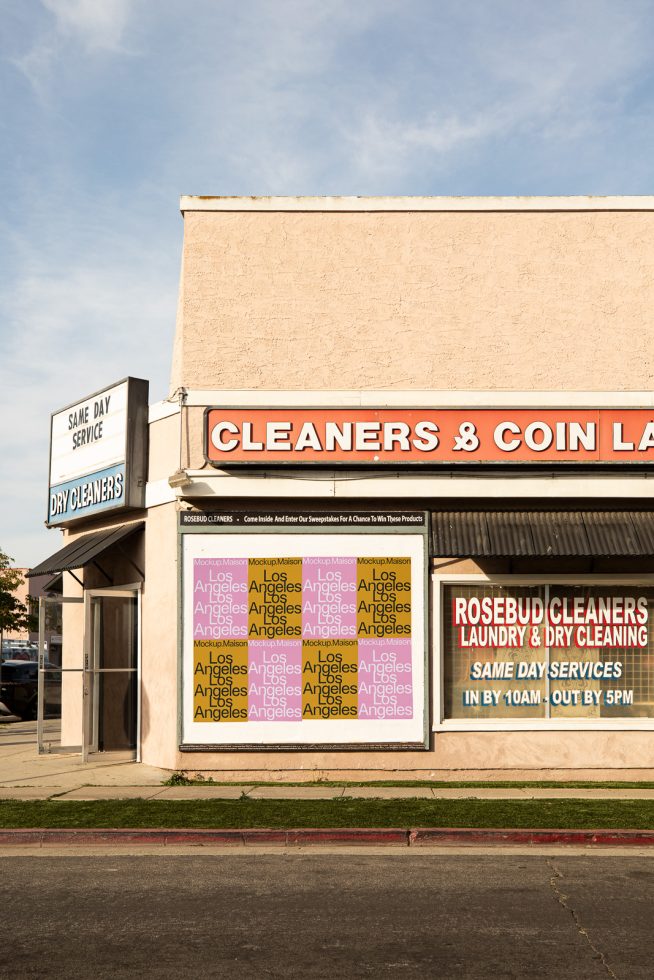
(98, 453)
(303, 636)
(236, 436)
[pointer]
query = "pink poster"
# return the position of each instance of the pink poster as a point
(220, 599)
(329, 593)
(385, 679)
(275, 680)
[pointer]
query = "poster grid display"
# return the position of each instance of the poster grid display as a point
(303, 639)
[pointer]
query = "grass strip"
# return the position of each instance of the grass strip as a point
(344, 812)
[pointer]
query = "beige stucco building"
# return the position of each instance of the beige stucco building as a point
(335, 360)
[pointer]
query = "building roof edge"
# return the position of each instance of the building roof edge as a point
(380, 204)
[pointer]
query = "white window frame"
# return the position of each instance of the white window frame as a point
(440, 724)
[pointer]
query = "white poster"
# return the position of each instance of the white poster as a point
(303, 639)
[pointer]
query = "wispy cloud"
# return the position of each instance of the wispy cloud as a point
(89, 25)
(383, 145)
(95, 23)
(562, 74)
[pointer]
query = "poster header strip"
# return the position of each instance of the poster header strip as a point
(306, 520)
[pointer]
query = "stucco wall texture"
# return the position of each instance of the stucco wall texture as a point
(511, 300)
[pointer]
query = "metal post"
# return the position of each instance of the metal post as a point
(40, 710)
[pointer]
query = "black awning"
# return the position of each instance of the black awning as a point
(542, 533)
(84, 550)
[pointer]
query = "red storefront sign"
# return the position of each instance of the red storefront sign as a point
(380, 436)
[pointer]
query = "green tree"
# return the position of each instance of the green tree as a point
(14, 615)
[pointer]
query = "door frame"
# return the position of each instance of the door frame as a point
(89, 729)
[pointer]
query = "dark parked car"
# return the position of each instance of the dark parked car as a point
(19, 681)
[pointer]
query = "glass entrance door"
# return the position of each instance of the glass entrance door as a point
(111, 671)
(60, 677)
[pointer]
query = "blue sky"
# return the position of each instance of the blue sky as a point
(110, 109)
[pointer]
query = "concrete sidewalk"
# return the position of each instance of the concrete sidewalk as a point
(209, 792)
(20, 766)
(24, 775)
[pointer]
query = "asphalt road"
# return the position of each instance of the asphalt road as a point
(328, 915)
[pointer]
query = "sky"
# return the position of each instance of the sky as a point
(111, 109)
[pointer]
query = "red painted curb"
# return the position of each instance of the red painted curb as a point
(419, 837)
(231, 837)
(282, 838)
(487, 837)
(20, 836)
(386, 836)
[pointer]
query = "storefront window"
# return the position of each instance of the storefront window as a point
(548, 652)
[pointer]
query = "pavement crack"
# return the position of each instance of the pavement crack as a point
(562, 899)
